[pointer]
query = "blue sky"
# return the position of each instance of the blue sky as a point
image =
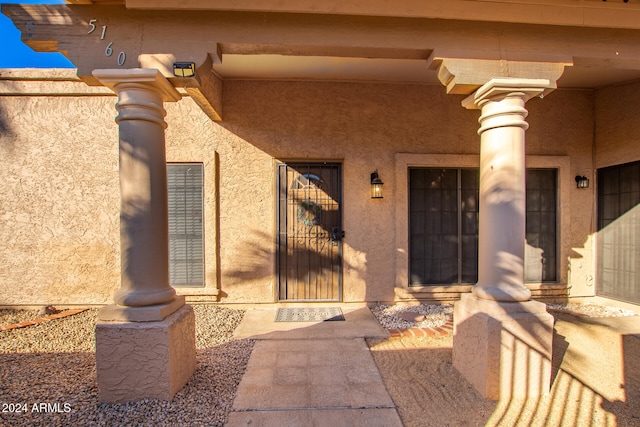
(15, 54)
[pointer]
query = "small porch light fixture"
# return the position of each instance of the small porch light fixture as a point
(376, 186)
(184, 69)
(582, 181)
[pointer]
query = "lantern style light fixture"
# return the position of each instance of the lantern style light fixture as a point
(184, 69)
(376, 186)
(582, 181)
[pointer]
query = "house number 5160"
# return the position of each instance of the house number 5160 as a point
(122, 57)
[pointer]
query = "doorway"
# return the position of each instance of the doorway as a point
(309, 232)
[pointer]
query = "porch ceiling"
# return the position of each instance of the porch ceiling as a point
(582, 75)
(241, 61)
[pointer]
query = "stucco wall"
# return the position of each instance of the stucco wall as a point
(192, 137)
(562, 124)
(618, 125)
(362, 126)
(60, 205)
(366, 125)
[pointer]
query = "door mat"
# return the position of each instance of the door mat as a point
(315, 314)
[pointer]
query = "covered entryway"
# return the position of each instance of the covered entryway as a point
(309, 232)
(327, 81)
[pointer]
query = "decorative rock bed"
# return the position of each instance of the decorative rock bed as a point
(430, 316)
(51, 365)
(412, 316)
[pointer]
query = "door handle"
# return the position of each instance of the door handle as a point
(336, 234)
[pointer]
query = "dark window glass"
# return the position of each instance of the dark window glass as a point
(619, 232)
(443, 226)
(540, 251)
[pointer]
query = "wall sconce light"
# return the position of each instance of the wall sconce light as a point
(376, 186)
(184, 69)
(582, 181)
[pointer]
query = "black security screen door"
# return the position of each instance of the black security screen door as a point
(309, 234)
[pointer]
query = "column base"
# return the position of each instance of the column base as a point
(149, 313)
(503, 348)
(136, 360)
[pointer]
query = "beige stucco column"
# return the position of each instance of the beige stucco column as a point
(145, 342)
(144, 239)
(502, 187)
(502, 339)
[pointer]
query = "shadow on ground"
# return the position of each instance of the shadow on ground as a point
(595, 381)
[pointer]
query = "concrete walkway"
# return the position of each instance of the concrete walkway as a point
(312, 373)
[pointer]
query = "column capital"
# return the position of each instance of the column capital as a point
(463, 76)
(499, 88)
(503, 101)
(150, 78)
(141, 93)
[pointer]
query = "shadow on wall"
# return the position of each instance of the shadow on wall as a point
(575, 397)
(516, 360)
(254, 264)
(595, 376)
(417, 377)
(306, 272)
(145, 261)
(6, 132)
(361, 126)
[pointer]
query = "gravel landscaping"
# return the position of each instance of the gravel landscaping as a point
(8, 317)
(48, 377)
(412, 316)
(424, 316)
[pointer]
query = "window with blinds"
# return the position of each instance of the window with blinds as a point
(186, 244)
